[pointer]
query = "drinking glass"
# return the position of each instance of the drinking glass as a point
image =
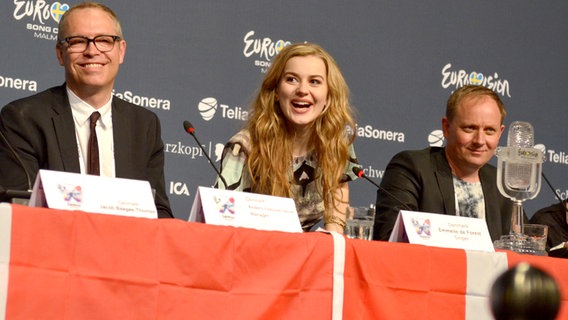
(359, 223)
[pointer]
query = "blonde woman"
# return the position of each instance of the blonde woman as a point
(298, 140)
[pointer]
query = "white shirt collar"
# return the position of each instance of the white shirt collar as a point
(82, 110)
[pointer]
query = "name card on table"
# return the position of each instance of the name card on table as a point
(244, 209)
(73, 191)
(441, 230)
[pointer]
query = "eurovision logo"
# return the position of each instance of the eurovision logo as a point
(40, 13)
(262, 50)
(461, 77)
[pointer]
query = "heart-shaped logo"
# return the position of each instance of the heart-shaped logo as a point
(476, 78)
(58, 9)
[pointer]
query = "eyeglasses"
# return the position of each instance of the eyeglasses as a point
(103, 43)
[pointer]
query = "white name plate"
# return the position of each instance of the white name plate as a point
(244, 209)
(89, 193)
(442, 230)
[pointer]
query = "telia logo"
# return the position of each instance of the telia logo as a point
(436, 138)
(209, 106)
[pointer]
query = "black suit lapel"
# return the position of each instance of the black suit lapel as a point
(121, 127)
(490, 194)
(64, 127)
(443, 176)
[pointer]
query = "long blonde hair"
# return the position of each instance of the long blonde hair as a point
(270, 158)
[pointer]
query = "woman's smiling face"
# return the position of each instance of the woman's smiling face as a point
(302, 91)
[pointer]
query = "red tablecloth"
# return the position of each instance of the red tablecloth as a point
(75, 265)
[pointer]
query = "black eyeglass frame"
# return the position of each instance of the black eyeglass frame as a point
(89, 40)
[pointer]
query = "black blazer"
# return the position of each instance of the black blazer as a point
(42, 131)
(422, 181)
(554, 217)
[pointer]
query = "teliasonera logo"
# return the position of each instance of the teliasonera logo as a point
(459, 78)
(370, 132)
(143, 101)
(209, 106)
(262, 49)
(41, 13)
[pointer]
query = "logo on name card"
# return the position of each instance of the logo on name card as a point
(72, 194)
(422, 227)
(225, 205)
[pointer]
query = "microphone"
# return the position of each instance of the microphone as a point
(519, 170)
(562, 202)
(14, 194)
(188, 127)
(519, 166)
(361, 174)
(521, 135)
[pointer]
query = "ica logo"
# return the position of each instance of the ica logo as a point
(179, 188)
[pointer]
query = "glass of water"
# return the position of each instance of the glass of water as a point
(359, 223)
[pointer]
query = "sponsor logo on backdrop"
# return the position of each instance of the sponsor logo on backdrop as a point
(148, 102)
(18, 84)
(373, 173)
(436, 138)
(261, 50)
(41, 17)
(193, 151)
(458, 78)
(209, 107)
(563, 194)
(219, 151)
(557, 156)
(368, 131)
(179, 188)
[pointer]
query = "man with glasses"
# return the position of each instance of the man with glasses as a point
(79, 126)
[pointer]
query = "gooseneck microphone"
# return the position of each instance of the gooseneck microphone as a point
(9, 193)
(361, 174)
(552, 188)
(188, 127)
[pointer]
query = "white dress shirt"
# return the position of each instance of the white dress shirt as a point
(81, 113)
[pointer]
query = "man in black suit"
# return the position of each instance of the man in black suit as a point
(456, 179)
(50, 130)
(555, 217)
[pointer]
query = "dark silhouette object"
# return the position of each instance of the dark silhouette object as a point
(524, 292)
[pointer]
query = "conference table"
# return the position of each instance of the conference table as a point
(57, 264)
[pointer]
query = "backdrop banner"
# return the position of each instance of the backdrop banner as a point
(202, 61)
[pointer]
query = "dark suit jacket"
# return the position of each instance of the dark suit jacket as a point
(42, 131)
(554, 217)
(422, 181)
